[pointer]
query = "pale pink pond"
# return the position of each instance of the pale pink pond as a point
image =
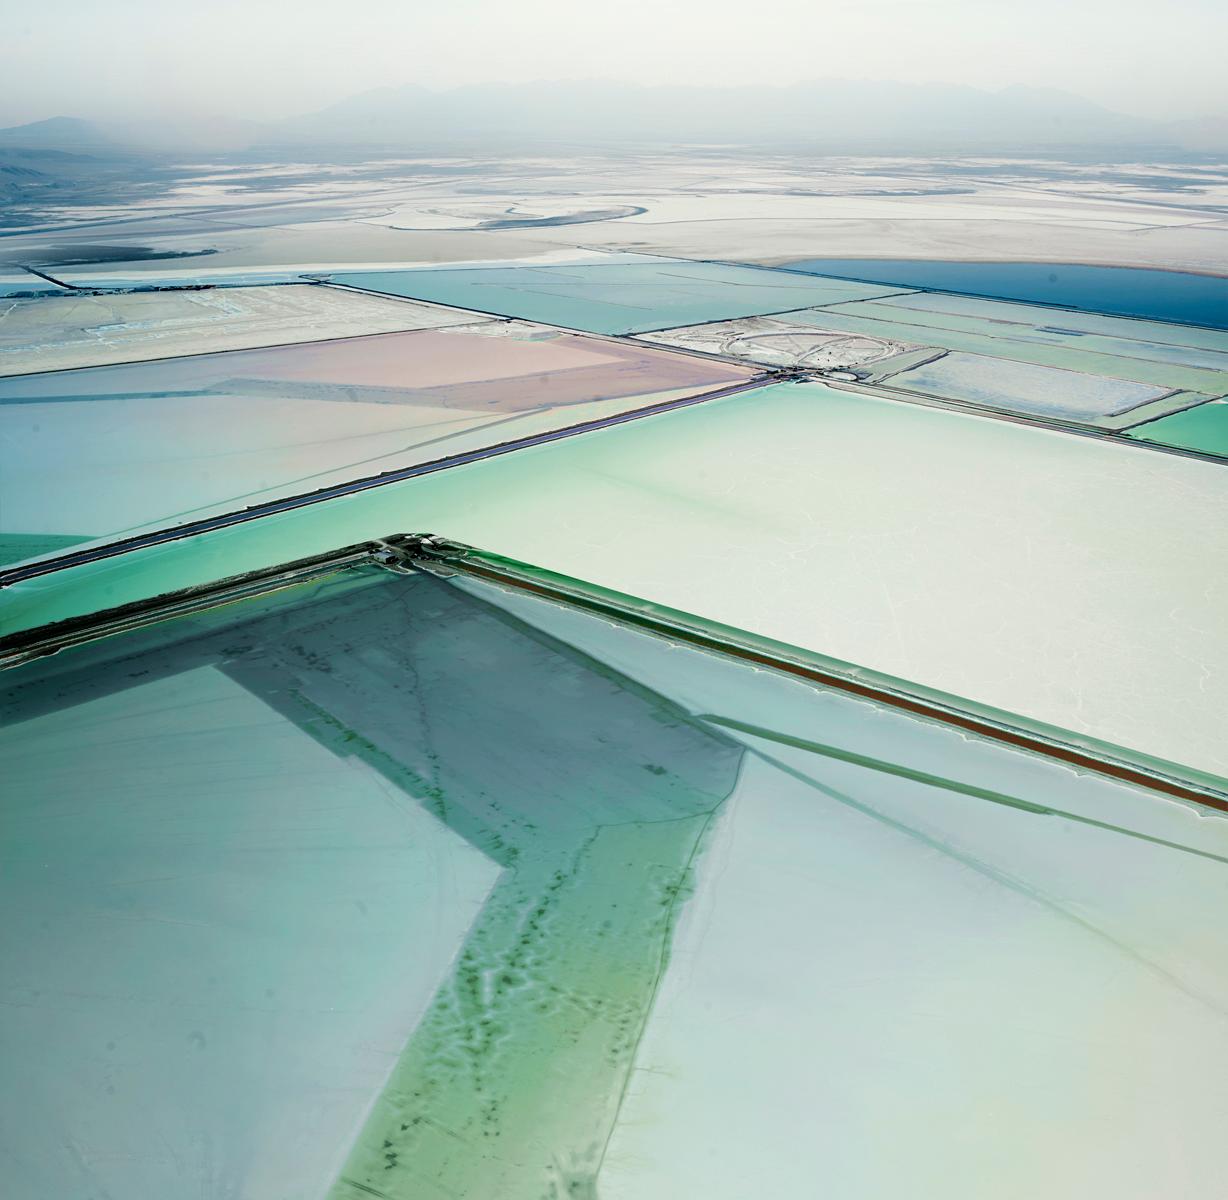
(153, 444)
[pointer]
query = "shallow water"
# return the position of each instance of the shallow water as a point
(1202, 428)
(614, 296)
(157, 443)
(424, 889)
(1016, 567)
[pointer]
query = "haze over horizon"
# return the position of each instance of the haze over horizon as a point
(270, 60)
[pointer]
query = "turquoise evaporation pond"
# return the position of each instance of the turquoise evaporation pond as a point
(1203, 428)
(615, 297)
(402, 887)
(929, 545)
(1125, 291)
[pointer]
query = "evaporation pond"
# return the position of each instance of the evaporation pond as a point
(55, 333)
(1024, 387)
(1127, 291)
(104, 451)
(1072, 581)
(416, 888)
(1204, 427)
(615, 297)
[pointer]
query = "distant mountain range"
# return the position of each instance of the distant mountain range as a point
(847, 116)
(59, 133)
(56, 161)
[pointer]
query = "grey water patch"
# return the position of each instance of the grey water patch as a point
(578, 218)
(87, 254)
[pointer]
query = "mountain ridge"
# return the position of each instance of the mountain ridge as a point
(839, 115)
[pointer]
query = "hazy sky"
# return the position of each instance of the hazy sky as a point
(272, 58)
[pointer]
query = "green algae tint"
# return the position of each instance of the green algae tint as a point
(942, 548)
(17, 547)
(407, 887)
(591, 795)
(1203, 428)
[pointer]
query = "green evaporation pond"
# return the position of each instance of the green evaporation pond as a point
(615, 297)
(875, 532)
(17, 547)
(283, 854)
(400, 887)
(1204, 428)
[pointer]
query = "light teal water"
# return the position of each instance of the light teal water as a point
(16, 547)
(428, 890)
(615, 297)
(588, 795)
(1204, 427)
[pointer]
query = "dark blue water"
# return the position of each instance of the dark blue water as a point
(1123, 291)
